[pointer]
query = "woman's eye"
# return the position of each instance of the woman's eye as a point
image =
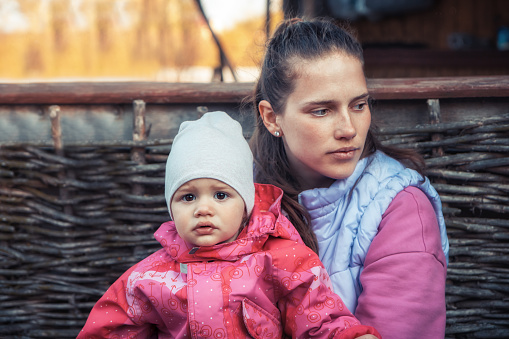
(221, 195)
(188, 197)
(359, 107)
(320, 112)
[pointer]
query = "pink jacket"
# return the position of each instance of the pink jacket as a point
(266, 284)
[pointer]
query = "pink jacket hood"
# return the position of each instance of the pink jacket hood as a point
(252, 238)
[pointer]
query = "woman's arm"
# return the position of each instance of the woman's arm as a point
(404, 272)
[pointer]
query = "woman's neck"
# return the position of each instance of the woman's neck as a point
(318, 182)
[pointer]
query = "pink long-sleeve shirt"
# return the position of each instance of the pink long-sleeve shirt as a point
(404, 272)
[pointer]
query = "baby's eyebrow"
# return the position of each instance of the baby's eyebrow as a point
(220, 187)
(183, 187)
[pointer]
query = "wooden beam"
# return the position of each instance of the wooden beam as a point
(168, 93)
(122, 92)
(440, 88)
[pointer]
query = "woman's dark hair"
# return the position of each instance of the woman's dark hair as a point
(295, 40)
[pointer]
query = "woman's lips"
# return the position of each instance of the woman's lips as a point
(344, 153)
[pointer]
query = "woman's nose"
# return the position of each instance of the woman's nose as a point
(344, 127)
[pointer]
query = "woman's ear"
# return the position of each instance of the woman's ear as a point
(269, 118)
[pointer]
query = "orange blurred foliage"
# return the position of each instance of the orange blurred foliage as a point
(115, 40)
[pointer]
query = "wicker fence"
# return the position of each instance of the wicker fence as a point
(76, 212)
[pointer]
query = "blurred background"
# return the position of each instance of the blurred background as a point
(222, 40)
(154, 40)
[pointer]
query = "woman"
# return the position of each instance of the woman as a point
(375, 221)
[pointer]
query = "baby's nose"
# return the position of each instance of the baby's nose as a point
(204, 207)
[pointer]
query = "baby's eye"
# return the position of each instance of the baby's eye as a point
(221, 195)
(320, 112)
(188, 197)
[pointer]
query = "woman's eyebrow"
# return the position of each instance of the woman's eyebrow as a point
(362, 96)
(332, 102)
(319, 103)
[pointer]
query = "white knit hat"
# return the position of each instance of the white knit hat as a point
(211, 147)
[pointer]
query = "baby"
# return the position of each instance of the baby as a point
(232, 265)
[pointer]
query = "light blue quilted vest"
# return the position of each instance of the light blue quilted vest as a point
(346, 215)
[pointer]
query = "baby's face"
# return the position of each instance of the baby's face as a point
(207, 212)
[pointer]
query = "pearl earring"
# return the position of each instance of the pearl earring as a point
(276, 133)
